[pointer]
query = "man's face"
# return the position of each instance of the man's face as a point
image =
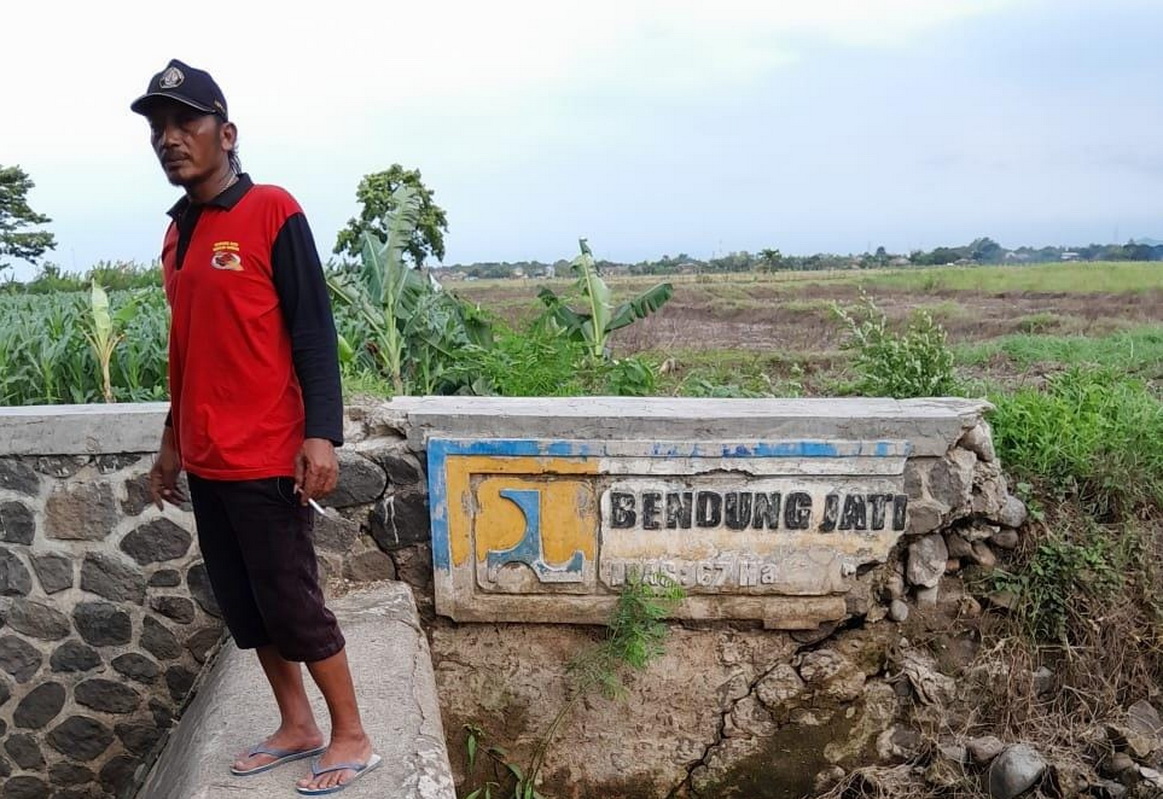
(191, 145)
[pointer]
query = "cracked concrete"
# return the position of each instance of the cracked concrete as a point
(392, 670)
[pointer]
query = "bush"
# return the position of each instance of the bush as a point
(1090, 433)
(916, 363)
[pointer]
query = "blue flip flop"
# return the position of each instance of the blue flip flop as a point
(359, 768)
(281, 756)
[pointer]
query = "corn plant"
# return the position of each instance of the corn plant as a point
(599, 316)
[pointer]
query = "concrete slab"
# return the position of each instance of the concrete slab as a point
(82, 429)
(931, 426)
(393, 674)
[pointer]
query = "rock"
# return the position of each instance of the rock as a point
(40, 706)
(781, 685)
(25, 788)
(951, 478)
(201, 642)
(1142, 717)
(177, 608)
(137, 667)
(108, 577)
(19, 658)
(1005, 600)
(979, 531)
(107, 696)
(335, 534)
(1043, 681)
(60, 465)
(1151, 776)
(984, 749)
(927, 597)
(360, 481)
(952, 566)
(157, 639)
(14, 577)
(138, 738)
(18, 477)
(895, 585)
(957, 546)
(24, 751)
(65, 773)
(1013, 513)
(984, 555)
(156, 542)
(1006, 539)
(1108, 789)
(898, 744)
(924, 516)
(1117, 763)
(955, 753)
(5, 694)
(179, 680)
(369, 566)
(106, 464)
(166, 578)
(102, 624)
(400, 520)
(163, 716)
(137, 495)
(198, 581)
(17, 524)
(80, 738)
(1015, 771)
(930, 686)
(828, 778)
(831, 675)
(117, 774)
(898, 611)
(38, 620)
(979, 441)
(401, 466)
(80, 512)
(72, 656)
(926, 562)
(55, 572)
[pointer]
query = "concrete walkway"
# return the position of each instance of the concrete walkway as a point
(393, 675)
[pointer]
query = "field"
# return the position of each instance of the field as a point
(778, 333)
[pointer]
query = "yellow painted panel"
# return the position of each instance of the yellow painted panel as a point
(569, 517)
(459, 470)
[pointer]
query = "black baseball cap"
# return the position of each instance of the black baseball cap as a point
(183, 83)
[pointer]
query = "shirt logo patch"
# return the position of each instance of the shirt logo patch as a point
(226, 256)
(171, 78)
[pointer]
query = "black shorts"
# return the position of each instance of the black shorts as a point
(255, 537)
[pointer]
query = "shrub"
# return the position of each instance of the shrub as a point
(915, 363)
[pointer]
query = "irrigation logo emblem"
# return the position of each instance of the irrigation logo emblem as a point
(171, 78)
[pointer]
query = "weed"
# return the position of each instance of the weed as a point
(916, 363)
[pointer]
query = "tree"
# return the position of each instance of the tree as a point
(771, 259)
(376, 193)
(15, 214)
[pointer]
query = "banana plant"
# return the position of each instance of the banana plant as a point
(599, 317)
(385, 291)
(103, 330)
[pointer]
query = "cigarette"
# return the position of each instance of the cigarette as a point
(318, 508)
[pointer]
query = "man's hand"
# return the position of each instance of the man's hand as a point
(316, 469)
(163, 477)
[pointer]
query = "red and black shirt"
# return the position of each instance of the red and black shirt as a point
(253, 363)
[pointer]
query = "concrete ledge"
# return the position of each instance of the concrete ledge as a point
(116, 428)
(393, 675)
(930, 425)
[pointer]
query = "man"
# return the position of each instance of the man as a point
(255, 415)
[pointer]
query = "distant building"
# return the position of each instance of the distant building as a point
(1070, 256)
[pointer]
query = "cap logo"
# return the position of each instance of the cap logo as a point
(171, 78)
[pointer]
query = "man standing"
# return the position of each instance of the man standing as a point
(255, 415)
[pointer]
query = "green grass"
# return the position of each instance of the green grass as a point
(1090, 433)
(1138, 351)
(1099, 277)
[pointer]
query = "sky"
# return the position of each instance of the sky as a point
(650, 127)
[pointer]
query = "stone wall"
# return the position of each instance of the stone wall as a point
(107, 619)
(106, 613)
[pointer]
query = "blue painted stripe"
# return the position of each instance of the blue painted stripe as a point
(807, 448)
(438, 504)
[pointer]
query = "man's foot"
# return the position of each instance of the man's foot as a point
(286, 740)
(341, 750)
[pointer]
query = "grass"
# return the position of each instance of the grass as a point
(1138, 351)
(1100, 276)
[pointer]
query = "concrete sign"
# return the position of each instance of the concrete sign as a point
(549, 530)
